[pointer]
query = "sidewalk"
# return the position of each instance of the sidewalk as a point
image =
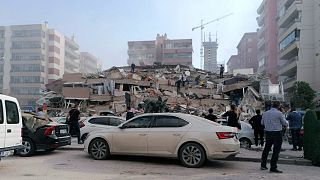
(74, 145)
(286, 156)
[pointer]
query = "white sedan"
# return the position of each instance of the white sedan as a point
(99, 123)
(191, 139)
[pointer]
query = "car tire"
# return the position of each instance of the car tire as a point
(192, 155)
(50, 149)
(29, 148)
(99, 149)
(245, 143)
(84, 137)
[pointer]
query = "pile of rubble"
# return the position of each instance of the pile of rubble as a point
(120, 87)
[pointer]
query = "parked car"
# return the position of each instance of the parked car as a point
(191, 139)
(99, 123)
(42, 134)
(10, 125)
(245, 135)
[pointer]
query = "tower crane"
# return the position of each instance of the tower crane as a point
(202, 26)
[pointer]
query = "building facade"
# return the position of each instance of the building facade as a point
(298, 42)
(247, 57)
(162, 50)
(233, 63)
(30, 57)
(88, 63)
(267, 39)
(210, 56)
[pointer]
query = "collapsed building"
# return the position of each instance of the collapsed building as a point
(200, 91)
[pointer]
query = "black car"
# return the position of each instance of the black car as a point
(42, 134)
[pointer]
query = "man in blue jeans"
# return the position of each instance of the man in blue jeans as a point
(273, 121)
(295, 124)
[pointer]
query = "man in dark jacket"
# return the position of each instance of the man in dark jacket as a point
(211, 116)
(73, 121)
(295, 124)
(255, 122)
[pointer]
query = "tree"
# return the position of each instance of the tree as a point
(311, 137)
(302, 95)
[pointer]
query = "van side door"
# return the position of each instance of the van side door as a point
(13, 124)
(2, 126)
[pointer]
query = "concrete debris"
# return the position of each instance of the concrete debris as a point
(197, 91)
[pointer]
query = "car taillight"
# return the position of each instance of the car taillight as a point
(49, 130)
(225, 135)
(81, 124)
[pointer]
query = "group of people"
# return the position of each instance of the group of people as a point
(271, 125)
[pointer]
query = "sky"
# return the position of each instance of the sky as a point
(103, 27)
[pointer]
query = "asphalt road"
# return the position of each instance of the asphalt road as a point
(75, 164)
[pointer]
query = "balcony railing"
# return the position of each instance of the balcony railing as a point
(291, 13)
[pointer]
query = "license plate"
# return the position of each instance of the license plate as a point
(6, 153)
(63, 131)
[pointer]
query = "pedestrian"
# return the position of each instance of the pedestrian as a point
(295, 125)
(129, 114)
(197, 80)
(178, 84)
(274, 121)
(258, 128)
(211, 116)
(73, 118)
(184, 79)
(127, 98)
(233, 117)
(40, 113)
(221, 71)
(133, 66)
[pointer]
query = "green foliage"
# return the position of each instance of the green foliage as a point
(311, 138)
(155, 106)
(302, 95)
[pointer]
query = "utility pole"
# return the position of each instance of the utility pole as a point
(202, 26)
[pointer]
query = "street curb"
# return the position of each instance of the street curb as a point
(301, 162)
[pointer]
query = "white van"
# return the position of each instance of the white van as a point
(10, 125)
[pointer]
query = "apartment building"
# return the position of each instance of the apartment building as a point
(247, 56)
(267, 39)
(72, 56)
(298, 42)
(162, 50)
(210, 55)
(88, 63)
(30, 57)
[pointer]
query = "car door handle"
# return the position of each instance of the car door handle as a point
(142, 134)
(176, 134)
(8, 130)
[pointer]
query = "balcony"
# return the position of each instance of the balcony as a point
(290, 28)
(290, 50)
(260, 20)
(261, 44)
(261, 7)
(289, 82)
(289, 68)
(261, 32)
(291, 13)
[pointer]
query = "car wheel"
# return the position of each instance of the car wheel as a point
(245, 143)
(192, 155)
(84, 137)
(29, 148)
(99, 149)
(50, 150)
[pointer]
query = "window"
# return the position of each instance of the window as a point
(27, 68)
(169, 121)
(100, 121)
(26, 56)
(26, 33)
(142, 122)
(27, 90)
(289, 39)
(12, 112)
(27, 79)
(115, 122)
(249, 40)
(26, 44)
(1, 113)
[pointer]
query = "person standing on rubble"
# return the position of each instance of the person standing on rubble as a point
(130, 114)
(233, 117)
(211, 116)
(73, 118)
(178, 84)
(127, 98)
(258, 128)
(221, 71)
(133, 66)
